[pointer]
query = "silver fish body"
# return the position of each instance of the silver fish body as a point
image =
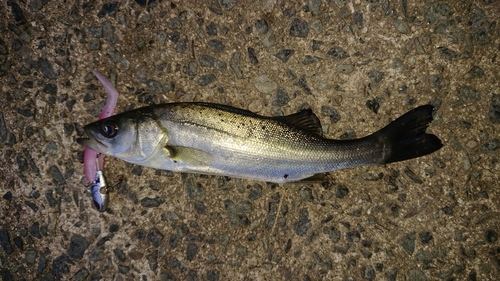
(222, 140)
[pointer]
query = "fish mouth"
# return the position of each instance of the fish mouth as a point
(92, 143)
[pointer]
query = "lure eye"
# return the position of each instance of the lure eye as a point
(109, 129)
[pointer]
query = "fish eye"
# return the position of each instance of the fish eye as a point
(109, 129)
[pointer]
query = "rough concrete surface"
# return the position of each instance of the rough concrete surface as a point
(358, 64)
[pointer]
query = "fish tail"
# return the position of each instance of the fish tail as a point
(405, 138)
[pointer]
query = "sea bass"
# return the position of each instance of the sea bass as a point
(222, 140)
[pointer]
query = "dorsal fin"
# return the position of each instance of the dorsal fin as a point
(304, 120)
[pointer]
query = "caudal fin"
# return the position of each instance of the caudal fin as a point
(405, 138)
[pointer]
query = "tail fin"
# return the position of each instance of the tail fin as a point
(405, 137)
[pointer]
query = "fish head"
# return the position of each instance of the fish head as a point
(132, 136)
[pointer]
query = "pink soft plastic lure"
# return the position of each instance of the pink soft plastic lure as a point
(89, 155)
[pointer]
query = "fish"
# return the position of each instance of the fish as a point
(217, 139)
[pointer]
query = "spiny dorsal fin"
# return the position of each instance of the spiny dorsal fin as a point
(305, 120)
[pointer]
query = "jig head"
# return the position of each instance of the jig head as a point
(99, 190)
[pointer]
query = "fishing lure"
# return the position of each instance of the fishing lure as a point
(99, 190)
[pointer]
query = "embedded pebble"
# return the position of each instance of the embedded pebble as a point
(108, 31)
(191, 251)
(333, 233)
(493, 113)
(206, 79)
(374, 104)
(30, 256)
(174, 23)
(299, 28)
(265, 85)
(108, 8)
(337, 53)
(77, 247)
(303, 223)
(425, 237)
(392, 274)
(60, 267)
(447, 54)
(216, 45)
(255, 192)
(252, 55)
(358, 19)
(56, 175)
(269, 39)
(234, 63)
(468, 93)
(317, 26)
(375, 76)
(81, 275)
(281, 98)
(34, 230)
(47, 69)
(437, 11)
(308, 59)
(148, 202)
(231, 213)
(437, 82)
(315, 6)
(17, 12)
(416, 275)
(261, 26)
(401, 26)
(155, 237)
(471, 144)
(491, 236)
(209, 61)
(408, 242)
(316, 44)
(490, 146)
(332, 113)
(341, 191)
(284, 55)
(211, 29)
(368, 272)
(181, 45)
(192, 69)
(3, 129)
(5, 241)
(475, 72)
(412, 175)
(345, 68)
(243, 207)
(418, 46)
(481, 37)
(302, 83)
(228, 4)
(195, 191)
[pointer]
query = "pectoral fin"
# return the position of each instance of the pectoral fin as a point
(189, 155)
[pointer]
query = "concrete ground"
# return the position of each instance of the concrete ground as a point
(358, 64)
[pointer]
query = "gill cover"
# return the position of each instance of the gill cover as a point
(150, 137)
